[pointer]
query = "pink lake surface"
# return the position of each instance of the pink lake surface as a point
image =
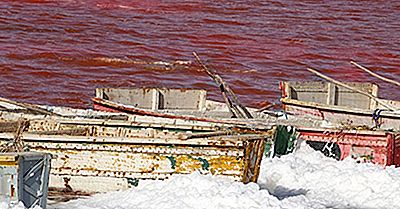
(57, 52)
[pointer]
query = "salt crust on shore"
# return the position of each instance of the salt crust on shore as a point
(20, 205)
(334, 184)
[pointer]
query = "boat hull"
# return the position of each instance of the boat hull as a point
(99, 158)
(365, 146)
(358, 127)
(341, 116)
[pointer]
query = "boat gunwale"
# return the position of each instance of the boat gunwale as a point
(333, 108)
(206, 141)
(378, 132)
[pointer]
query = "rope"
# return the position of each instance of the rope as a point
(376, 117)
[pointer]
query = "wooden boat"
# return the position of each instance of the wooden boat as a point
(98, 151)
(379, 146)
(327, 101)
(358, 128)
(190, 104)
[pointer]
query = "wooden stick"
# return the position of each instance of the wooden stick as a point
(266, 107)
(235, 106)
(351, 88)
(28, 106)
(374, 74)
(234, 111)
(23, 124)
(17, 144)
(209, 134)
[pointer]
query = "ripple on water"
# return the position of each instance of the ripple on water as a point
(57, 52)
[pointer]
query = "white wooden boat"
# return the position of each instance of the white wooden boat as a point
(362, 128)
(189, 104)
(326, 101)
(97, 151)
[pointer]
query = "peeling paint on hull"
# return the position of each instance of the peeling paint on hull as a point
(119, 156)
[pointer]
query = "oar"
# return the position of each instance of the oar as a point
(374, 74)
(235, 107)
(28, 106)
(351, 88)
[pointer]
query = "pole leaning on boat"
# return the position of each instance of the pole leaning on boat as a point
(235, 107)
(374, 74)
(351, 88)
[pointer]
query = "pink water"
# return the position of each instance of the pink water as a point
(56, 52)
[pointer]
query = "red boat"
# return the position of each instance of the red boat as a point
(382, 147)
